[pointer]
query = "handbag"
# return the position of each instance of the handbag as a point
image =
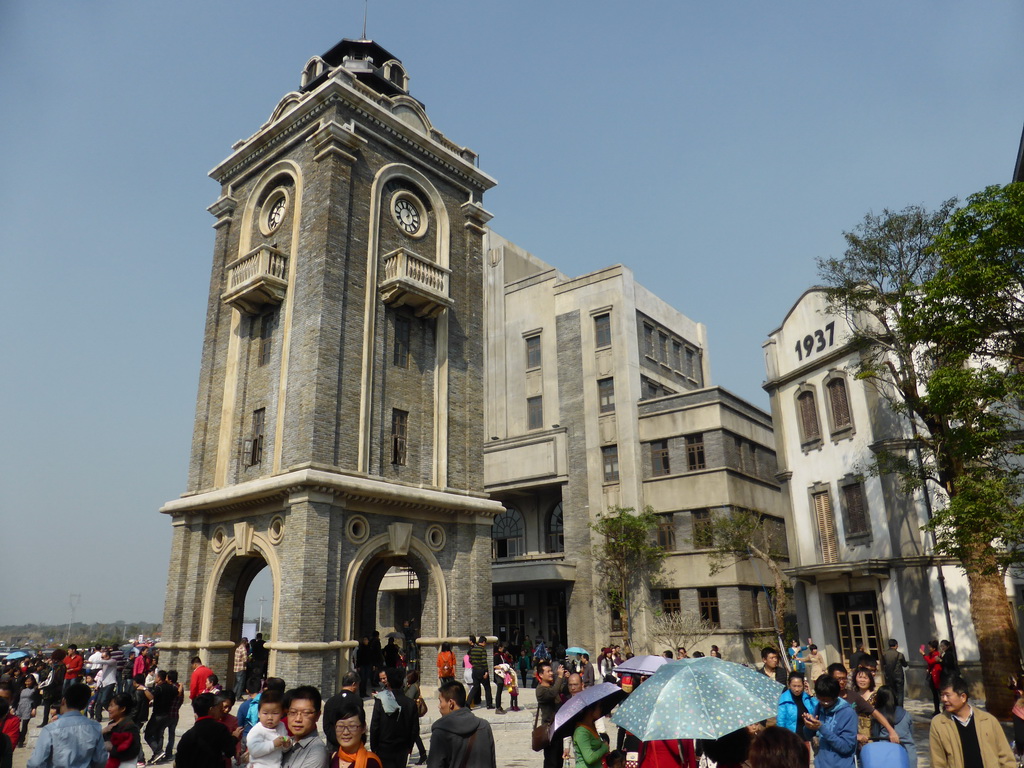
(421, 706)
(541, 736)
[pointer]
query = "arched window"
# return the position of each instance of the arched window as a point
(810, 430)
(556, 538)
(507, 534)
(839, 404)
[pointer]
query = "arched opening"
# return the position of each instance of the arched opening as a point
(243, 605)
(393, 590)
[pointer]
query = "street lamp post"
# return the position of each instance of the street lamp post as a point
(262, 600)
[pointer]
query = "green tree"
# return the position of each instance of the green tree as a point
(627, 559)
(746, 534)
(905, 284)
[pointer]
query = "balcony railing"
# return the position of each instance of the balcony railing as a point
(257, 279)
(414, 281)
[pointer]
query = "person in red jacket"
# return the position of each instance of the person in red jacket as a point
(200, 674)
(933, 659)
(73, 666)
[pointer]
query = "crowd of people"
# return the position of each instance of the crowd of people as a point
(102, 707)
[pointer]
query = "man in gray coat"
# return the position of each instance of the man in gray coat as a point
(459, 738)
(893, 664)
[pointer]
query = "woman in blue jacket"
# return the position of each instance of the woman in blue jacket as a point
(793, 702)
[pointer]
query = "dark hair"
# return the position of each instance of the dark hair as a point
(351, 709)
(5, 709)
(139, 678)
(125, 701)
(394, 678)
(933, 644)
(59, 655)
(867, 672)
(472, 640)
(766, 650)
(412, 677)
(540, 667)
(779, 747)
(350, 678)
(793, 674)
(77, 695)
(161, 675)
(271, 697)
(172, 675)
(305, 693)
(481, 640)
(892, 642)
(812, 647)
(227, 695)
(731, 748)
(885, 702)
(196, 660)
(274, 684)
(202, 704)
(826, 686)
(213, 680)
(667, 654)
(698, 654)
(454, 691)
(837, 667)
(957, 683)
(446, 647)
(616, 757)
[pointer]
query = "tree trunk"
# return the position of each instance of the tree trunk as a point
(997, 640)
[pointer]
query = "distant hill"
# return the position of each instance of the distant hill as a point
(39, 636)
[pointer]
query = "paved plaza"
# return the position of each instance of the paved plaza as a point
(512, 731)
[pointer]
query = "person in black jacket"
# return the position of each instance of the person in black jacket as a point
(207, 743)
(121, 731)
(459, 738)
(394, 724)
(349, 693)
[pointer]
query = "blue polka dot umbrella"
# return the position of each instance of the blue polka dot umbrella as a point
(698, 699)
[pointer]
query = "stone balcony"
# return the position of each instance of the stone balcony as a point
(257, 279)
(413, 281)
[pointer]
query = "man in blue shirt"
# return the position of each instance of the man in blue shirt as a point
(835, 722)
(72, 740)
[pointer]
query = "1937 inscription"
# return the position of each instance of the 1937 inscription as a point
(820, 340)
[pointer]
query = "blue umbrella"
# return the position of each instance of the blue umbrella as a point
(641, 665)
(577, 650)
(698, 699)
(16, 655)
(607, 694)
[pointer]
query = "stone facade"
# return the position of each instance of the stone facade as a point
(583, 374)
(338, 419)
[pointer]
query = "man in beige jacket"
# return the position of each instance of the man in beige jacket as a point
(965, 737)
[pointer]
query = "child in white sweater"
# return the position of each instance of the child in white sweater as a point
(268, 739)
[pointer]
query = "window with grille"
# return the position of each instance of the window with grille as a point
(255, 451)
(399, 436)
(809, 428)
(663, 348)
(839, 403)
(507, 539)
(670, 602)
(610, 463)
(755, 609)
(264, 337)
(556, 531)
(533, 351)
(691, 359)
(659, 458)
(534, 412)
(677, 355)
(826, 527)
(703, 532)
(649, 340)
(695, 452)
(602, 331)
(856, 510)
(707, 600)
(403, 333)
(667, 533)
(606, 395)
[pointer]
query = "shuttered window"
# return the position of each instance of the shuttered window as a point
(826, 527)
(856, 510)
(808, 416)
(840, 404)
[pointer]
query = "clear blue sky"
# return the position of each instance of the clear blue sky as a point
(715, 148)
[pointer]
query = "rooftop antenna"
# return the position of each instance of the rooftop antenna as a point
(366, 4)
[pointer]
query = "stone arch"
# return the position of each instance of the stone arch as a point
(229, 579)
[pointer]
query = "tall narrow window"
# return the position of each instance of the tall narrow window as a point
(695, 452)
(691, 357)
(602, 330)
(707, 599)
(856, 510)
(403, 332)
(677, 355)
(839, 403)
(826, 527)
(534, 412)
(610, 463)
(556, 532)
(533, 351)
(667, 533)
(606, 395)
(670, 601)
(755, 609)
(648, 340)
(264, 338)
(809, 428)
(703, 532)
(662, 348)
(659, 458)
(256, 450)
(399, 436)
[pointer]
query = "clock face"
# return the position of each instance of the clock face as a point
(407, 215)
(276, 214)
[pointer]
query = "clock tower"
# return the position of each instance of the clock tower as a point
(339, 420)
